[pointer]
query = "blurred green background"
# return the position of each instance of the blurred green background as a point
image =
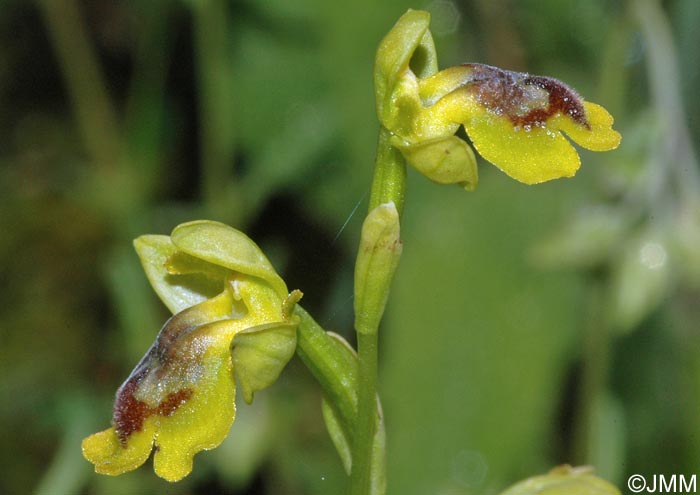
(528, 326)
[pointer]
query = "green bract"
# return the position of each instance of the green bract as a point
(339, 428)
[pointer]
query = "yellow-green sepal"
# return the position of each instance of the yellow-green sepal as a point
(225, 246)
(408, 42)
(176, 292)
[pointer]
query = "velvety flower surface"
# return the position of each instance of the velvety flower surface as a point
(180, 397)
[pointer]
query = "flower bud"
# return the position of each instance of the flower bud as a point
(377, 259)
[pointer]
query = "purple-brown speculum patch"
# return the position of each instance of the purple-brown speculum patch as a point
(524, 99)
(130, 413)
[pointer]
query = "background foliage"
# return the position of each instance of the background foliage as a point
(529, 326)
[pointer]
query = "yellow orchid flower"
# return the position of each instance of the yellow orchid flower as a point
(180, 397)
(514, 119)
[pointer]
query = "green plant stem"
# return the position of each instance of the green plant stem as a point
(367, 351)
(388, 184)
(389, 181)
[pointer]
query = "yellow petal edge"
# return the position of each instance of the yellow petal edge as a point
(538, 154)
(200, 423)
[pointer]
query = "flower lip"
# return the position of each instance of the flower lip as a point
(165, 377)
(524, 99)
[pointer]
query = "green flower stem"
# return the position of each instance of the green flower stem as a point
(389, 181)
(361, 475)
(349, 384)
(329, 364)
(388, 185)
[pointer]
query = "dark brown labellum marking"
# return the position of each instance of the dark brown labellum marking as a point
(173, 401)
(130, 413)
(506, 93)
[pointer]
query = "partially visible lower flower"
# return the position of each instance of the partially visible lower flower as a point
(514, 119)
(180, 397)
(564, 480)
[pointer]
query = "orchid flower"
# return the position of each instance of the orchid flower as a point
(233, 324)
(514, 120)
